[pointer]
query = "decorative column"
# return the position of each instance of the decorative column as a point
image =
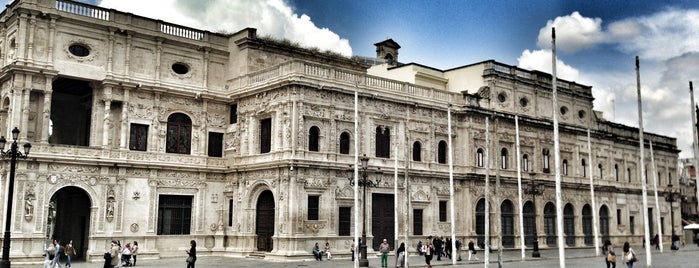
(25, 111)
(21, 37)
(106, 123)
(52, 37)
(110, 50)
(46, 113)
(30, 43)
(124, 120)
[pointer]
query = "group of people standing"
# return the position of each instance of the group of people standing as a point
(119, 256)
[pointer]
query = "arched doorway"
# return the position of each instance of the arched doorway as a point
(508, 224)
(265, 221)
(69, 218)
(480, 222)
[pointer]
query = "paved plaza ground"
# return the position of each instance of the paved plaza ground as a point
(685, 257)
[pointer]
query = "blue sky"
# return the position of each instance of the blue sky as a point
(596, 40)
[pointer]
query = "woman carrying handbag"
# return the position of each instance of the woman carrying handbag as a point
(192, 252)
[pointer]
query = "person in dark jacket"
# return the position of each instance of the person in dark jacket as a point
(192, 252)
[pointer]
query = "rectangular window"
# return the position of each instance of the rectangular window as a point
(662, 225)
(345, 221)
(618, 216)
(230, 212)
(313, 205)
(138, 138)
(234, 113)
(442, 211)
(215, 144)
(417, 221)
(174, 214)
(265, 135)
(632, 225)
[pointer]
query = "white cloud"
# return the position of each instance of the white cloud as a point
(271, 17)
(541, 60)
(573, 32)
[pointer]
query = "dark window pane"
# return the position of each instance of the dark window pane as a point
(179, 128)
(417, 221)
(313, 134)
(344, 143)
(383, 142)
(215, 144)
(442, 211)
(265, 135)
(442, 152)
(174, 214)
(345, 217)
(230, 212)
(234, 113)
(313, 203)
(417, 151)
(138, 138)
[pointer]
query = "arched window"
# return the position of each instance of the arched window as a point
(565, 167)
(503, 158)
(628, 174)
(616, 172)
(313, 136)
(584, 168)
(604, 222)
(545, 160)
(480, 222)
(550, 223)
(528, 217)
(344, 143)
(479, 157)
(417, 151)
(587, 224)
(507, 216)
(569, 224)
(179, 133)
(383, 142)
(442, 152)
(525, 162)
(599, 170)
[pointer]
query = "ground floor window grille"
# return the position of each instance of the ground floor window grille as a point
(174, 214)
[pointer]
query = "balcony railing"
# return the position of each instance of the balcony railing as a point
(83, 10)
(367, 82)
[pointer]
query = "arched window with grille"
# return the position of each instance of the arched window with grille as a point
(313, 136)
(507, 216)
(479, 157)
(616, 172)
(480, 222)
(417, 151)
(345, 143)
(528, 216)
(442, 152)
(604, 222)
(179, 134)
(628, 174)
(383, 142)
(564, 166)
(569, 224)
(503, 158)
(599, 170)
(587, 224)
(550, 223)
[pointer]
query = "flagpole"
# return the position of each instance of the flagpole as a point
(356, 174)
(407, 187)
(486, 242)
(557, 157)
(395, 199)
(519, 187)
(693, 110)
(451, 187)
(498, 201)
(657, 204)
(643, 165)
(595, 220)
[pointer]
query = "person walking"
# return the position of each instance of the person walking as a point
(675, 242)
(459, 244)
(134, 252)
(400, 253)
(656, 240)
(471, 250)
(437, 243)
(57, 254)
(70, 253)
(609, 254)
(629, 255)
(428, 250)
(384, 248)
(192, 254)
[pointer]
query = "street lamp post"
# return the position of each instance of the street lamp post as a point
(13, 153)
(364, 182)
(671, 196)
(534, 189)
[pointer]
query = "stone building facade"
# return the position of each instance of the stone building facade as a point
(154, 132)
